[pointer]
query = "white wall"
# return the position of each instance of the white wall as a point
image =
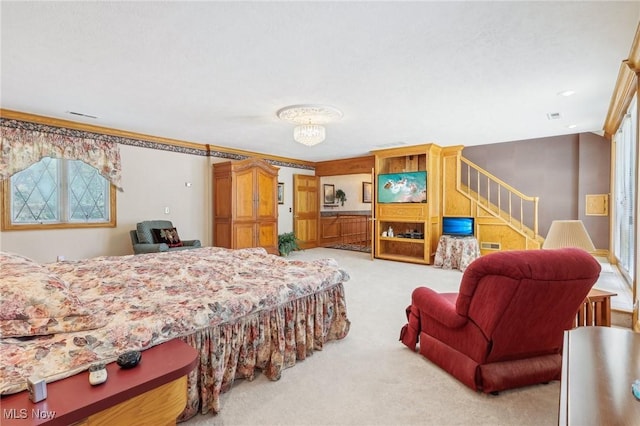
(352, 187)
(152, 180)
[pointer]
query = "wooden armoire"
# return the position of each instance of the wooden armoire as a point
(245, 205)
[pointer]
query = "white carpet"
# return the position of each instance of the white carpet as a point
(370, 378)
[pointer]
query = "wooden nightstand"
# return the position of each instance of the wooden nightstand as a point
(596, 309)
(154, 392)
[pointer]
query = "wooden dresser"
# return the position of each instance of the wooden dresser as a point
(245, 205)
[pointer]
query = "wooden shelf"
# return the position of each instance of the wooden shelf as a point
(403, 240)
(402, 258)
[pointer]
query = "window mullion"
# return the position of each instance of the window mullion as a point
(63, 191)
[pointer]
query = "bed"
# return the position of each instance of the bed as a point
(245, 311)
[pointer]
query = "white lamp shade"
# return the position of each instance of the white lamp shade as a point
(568, 233)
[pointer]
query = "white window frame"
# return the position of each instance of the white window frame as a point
(625, 219)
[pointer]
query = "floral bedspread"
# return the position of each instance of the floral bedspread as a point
(152, 298)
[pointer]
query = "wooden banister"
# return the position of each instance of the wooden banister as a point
(492, 200)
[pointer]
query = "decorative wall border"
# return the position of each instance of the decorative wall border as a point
(205, 151)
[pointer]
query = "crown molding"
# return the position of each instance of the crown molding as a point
(626, 87)
(154, 142)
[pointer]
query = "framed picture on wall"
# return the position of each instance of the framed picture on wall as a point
(329, 192)
(366, 192)
(280, 193)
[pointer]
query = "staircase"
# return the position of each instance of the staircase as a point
(499, 199)
(506, 219)
(497, 205)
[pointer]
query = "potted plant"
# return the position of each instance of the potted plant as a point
(341, 196)
(287, 243)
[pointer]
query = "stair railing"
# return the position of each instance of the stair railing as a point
(498, 198)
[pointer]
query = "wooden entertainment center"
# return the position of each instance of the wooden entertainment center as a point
(415, 225)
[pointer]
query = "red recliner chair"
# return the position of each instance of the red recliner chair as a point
(504, 328)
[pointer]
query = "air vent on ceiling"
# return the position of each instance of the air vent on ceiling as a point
(490, 246)
(553, 116)
(81, 114)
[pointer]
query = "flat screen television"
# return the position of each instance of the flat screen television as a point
(406, 187)
(458, 226)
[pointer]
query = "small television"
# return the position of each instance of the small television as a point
(458, 226)
(405, 187)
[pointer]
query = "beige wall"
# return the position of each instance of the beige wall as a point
(352, 187)
(152, 180)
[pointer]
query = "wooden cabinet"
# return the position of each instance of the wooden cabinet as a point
(153, 393)
(345, 229)
(245, 205)
(415, 218)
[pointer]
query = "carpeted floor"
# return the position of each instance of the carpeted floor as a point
(370, 378)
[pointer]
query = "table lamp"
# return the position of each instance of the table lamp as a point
(568, 233)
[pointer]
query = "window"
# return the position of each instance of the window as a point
(625, 218)
(58, 193)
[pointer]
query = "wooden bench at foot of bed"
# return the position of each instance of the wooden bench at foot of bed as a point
(154, 392)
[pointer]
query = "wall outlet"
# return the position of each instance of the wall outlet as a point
(61, 258)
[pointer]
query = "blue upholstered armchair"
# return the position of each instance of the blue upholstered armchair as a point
(152, 236)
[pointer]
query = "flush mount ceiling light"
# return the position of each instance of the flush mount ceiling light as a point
(566, 93)
(309, 119)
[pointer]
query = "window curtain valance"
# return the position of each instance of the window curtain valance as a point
(20, 148)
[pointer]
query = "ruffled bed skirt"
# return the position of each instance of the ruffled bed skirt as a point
(269, 341)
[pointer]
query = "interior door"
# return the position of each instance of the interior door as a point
(306, 210)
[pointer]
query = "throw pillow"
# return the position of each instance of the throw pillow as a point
(169, 236)
(37, 302)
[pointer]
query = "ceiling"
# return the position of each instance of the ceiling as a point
(452, 73)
